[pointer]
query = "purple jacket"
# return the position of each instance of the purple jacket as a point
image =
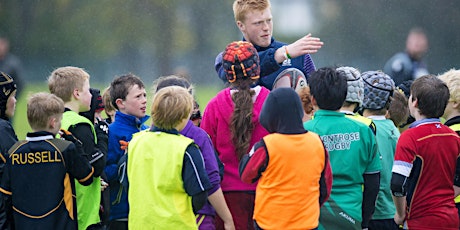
(216, 122)
(203, 141)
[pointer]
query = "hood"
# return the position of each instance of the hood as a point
(282, 112)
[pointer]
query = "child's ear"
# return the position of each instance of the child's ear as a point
(76, 93)
(52, 122)
(456, 105)
(120, 103)
(414, 102)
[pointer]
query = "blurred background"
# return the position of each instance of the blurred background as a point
(159, 37)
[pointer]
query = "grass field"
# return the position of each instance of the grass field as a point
(202, 93)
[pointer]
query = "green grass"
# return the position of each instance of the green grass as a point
(21, 126)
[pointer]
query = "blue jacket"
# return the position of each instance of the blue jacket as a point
(122, 128)
(269, 68)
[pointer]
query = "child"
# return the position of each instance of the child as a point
(295, 79)
(291, 179)
(352, 148)
(40, 171)
(425, 162)
(129, 98)
(206, 215)
(71, 84)
(8, 91)
(452, 112)
(405, 89)
(101, 128)
(166, 189)
(378, 95)
(398, 112)
(355, 95)
(109, 109)
(7, 109)
(231, 119)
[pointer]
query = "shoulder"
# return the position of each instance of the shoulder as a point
(60, 144)
(5, 125)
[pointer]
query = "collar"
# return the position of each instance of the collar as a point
(424, 122)
(346, 112)
(453, 121)
(260, 48)
(39, 136)
(130, 119)
(377, 117)
(170, 131)
(323, 112)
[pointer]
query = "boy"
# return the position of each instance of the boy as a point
(8, 91)
(291, 179)
(38, 179)
(355, 96)
(425, 162)
(101, 128)
(452, 112)
(166, 189)
(398, 112)
(352, 148)
(378, 95)
(206, 215)
(254, 19)
(128, 96)
(109, 109)
(71, 84)
(7, 109)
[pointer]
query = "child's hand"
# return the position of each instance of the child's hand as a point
(104, 185)
(68, 136)
(102, 126)
(123, 144)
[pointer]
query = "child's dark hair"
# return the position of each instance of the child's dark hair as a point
(120, 86)
(328, 88)
(432, 95)
(398, 110)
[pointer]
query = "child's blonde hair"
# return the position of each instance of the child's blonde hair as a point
(64, 80)
(242, 7)
(452, 80)
(170, 106)
(107, 100)
(41, 107)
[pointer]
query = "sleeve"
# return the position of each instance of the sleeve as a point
(308, 65)
(6, 210)
(84, 133)
(402, 165)
(102, 129)
(374, 159)
(114, 154)
(196, 182)
(78, 166)
(457, 173)
(8, 139)
(268, 63)
(253, 164)
(210, 162)
(371, 189)
(208, 123)
(325, 182)
(193, 173)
